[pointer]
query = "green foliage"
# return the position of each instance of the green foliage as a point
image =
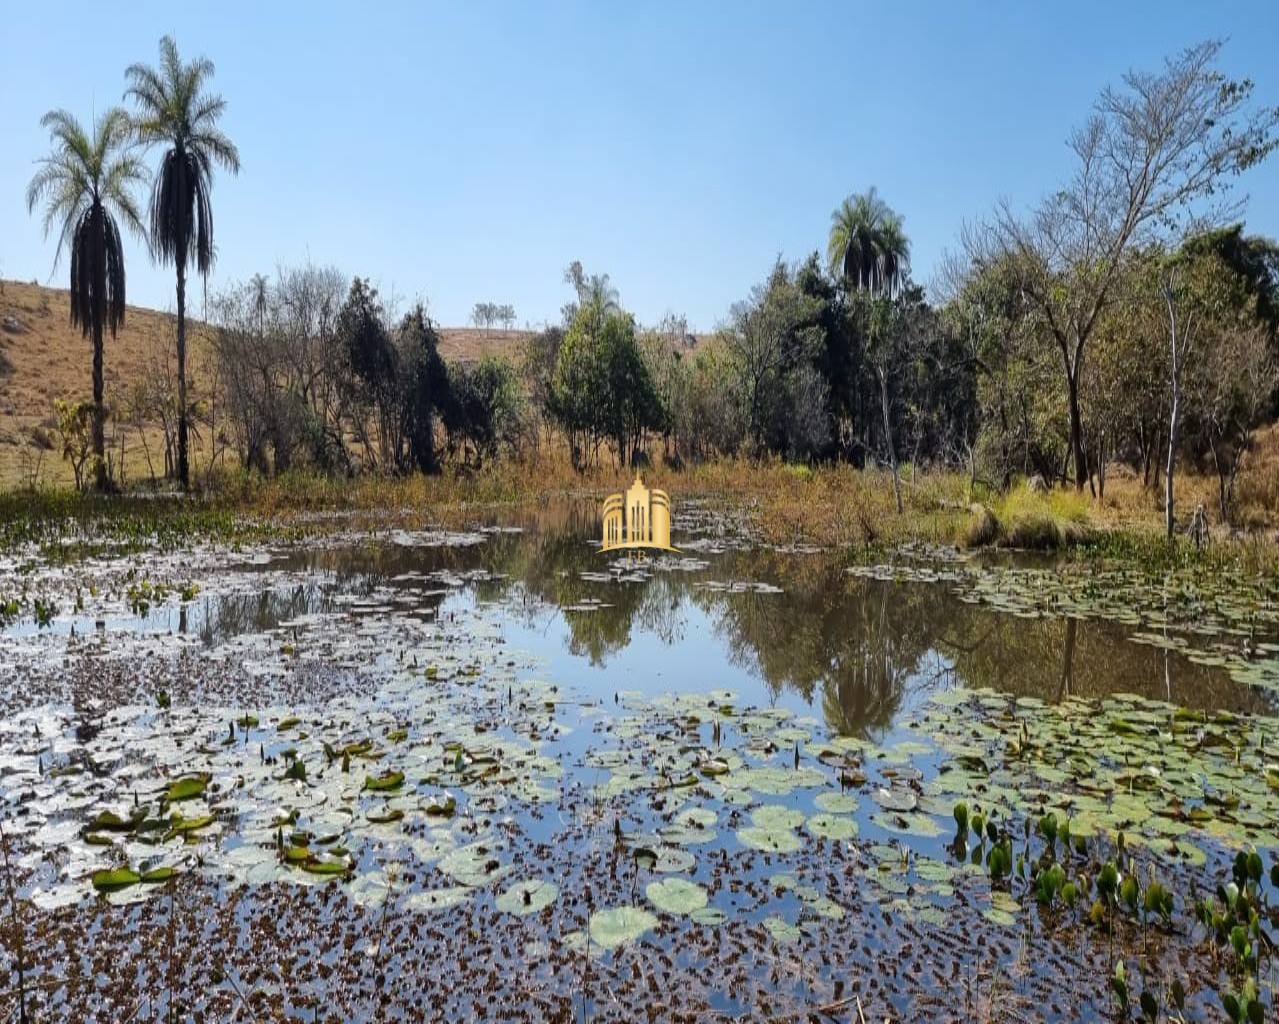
(76, 434)
(484, 413)
(602, 390)
(424, 389)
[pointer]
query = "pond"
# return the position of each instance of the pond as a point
(499, 774)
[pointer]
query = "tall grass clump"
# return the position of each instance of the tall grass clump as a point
(1031, 520)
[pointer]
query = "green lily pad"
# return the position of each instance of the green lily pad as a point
(676, 896)
(611, 928)
(781, 931)
(832, 826)
(186, 788)
(318, 866)
(384, 783)
(527, 897)
(769, 840)
(836, 803)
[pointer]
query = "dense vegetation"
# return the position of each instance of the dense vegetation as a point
(1130, 319)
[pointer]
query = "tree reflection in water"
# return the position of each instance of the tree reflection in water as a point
(860, 649)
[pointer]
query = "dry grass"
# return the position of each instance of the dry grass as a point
(46, 358)
(835, 506)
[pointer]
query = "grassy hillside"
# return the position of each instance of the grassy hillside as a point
(42, 357)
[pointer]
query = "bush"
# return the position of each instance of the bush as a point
(984, 530)
(1042, 521)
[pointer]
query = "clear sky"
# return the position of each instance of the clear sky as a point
(468, 152)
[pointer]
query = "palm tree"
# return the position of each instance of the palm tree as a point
(853, 249)
(869, 251)
(173, 111)
(88, 183)
(894, 254)
(258, 294)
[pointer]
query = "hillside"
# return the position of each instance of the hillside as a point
(42, 357)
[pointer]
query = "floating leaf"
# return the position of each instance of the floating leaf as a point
(527, 897)
(611, 928)
(676, 895)
(114, 880)
(186, 788)
(385, 782)
(832, 826)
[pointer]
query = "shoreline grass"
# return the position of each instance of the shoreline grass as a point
(838, 508)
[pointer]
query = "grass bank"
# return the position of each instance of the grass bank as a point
(835, 507)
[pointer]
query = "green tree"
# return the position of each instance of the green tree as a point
(869, 250)
(602, 390)
(87, 185)
(769, 337)
(484, 409)
(854, 249)
(425, 384)
(175, 112)
(1154, 154)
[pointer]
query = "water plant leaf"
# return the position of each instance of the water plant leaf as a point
(612, 927)
(832, 826)
(186, 788)
(384, 783)
(527, 897)
(676, 896)
(114, 880)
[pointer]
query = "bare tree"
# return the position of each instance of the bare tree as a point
(1153, 157)
(1179, 336)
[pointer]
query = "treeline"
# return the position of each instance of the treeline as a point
(1127, 319)
(311, 371)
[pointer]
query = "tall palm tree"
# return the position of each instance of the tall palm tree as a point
(894, 254)
(88, 183)
(867, 248)
(853, 249)
(174, 111)
(258, 294)
(869, 251)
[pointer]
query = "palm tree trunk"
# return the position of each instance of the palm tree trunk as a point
(96, 313)
(184, 468)
(99, 412)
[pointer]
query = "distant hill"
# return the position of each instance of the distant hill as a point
(42, 357)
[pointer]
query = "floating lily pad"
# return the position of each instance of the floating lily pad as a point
(676, 895)
(114, 880)
(832, 826)
(611, 928)
(527, 897)
(385, 782)
(186, 788)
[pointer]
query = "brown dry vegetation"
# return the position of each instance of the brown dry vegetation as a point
(836, 506)
(47, 358)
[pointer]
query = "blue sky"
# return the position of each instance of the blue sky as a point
(468, 152)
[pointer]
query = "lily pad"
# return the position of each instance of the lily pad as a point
(186, 788)
(611, 928)
(527, 897)
(114, 880)
(676, 896)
